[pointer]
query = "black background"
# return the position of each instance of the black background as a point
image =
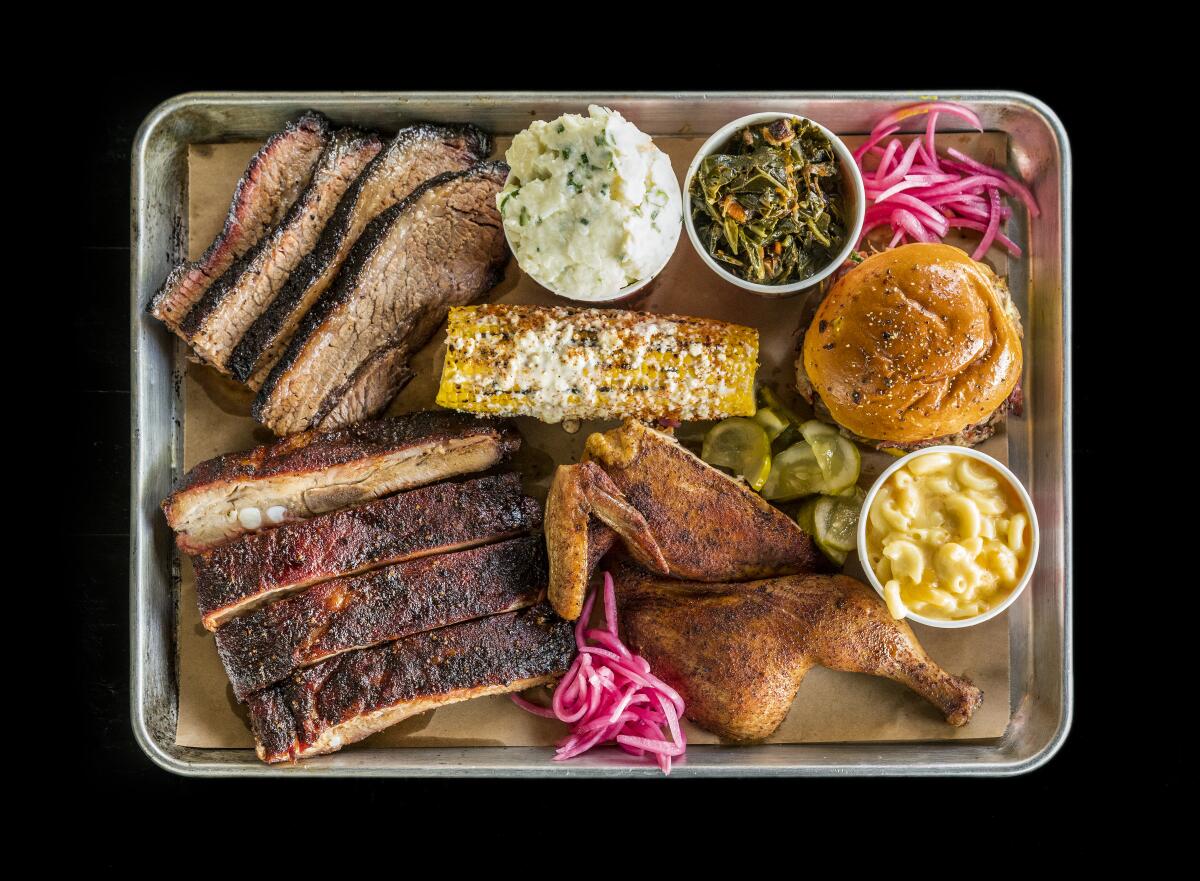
(118, 101)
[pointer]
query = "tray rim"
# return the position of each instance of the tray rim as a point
(443, 762)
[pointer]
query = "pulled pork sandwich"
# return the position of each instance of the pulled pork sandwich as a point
(916, 346)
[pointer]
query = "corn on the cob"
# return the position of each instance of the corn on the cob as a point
(554, 363)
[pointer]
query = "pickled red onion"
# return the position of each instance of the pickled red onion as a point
(922, 108)
(921, 196)
(609, 695)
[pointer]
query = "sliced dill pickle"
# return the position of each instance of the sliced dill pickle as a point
(787, 437)
(741, 445)
(773, 424)
(772, 400)
(804, 515)
(838, 557)
(794, 473)
(837, 457)
(836, 521)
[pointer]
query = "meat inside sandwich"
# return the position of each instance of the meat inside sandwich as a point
(916, 346)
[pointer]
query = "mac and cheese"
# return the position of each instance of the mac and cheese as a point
(947, 537)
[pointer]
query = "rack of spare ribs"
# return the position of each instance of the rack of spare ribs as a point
(378, 575)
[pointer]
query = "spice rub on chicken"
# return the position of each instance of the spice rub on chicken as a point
(674, 512)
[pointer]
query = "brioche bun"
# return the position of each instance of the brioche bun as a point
(914, 344)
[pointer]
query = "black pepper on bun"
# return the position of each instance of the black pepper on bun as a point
(915, 346)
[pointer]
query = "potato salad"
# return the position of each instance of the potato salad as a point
(591, 206)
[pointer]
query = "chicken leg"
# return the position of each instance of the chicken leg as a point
(738, 653)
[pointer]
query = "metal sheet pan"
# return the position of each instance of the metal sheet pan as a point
(1040, 454)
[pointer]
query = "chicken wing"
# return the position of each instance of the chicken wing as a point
(710, 527)
(575, 541)
(738, 653)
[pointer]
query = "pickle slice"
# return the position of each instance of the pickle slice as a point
(794, 473)
(835, 519)
(838, 557)
(805, 518)
(772, 400)
(741, 445)
(773, 423)
(837, 457)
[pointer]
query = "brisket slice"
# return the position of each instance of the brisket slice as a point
(240, 576)
(243, 293)
(369, 389)
(340, 701)
(337, 616)
(272, 182)
(416, 154)
(314, 473)
(443, 246)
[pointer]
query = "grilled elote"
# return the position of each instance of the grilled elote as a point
(555, 363)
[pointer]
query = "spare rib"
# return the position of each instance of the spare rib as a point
(340, 701)
(243, 293)
(443, 246)
(270, 186)
(241, 576)
(314, 473)
(337, 616)
(416, 154)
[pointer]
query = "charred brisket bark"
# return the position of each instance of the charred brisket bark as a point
(269, 187)
(232, 304)
(415, 155)
(442, 246)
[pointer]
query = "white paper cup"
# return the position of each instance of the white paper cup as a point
(856, 194)
(1021, 493)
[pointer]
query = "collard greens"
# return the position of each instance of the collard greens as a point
(769, 207)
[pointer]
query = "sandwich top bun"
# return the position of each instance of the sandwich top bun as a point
(914, 343)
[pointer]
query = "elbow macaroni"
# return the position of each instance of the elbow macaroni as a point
(946, 537)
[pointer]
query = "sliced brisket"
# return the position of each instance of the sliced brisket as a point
(240, 576)
(416, 154)
(340, 701)
(270, 186)
(313, 473)
(243, 293)
(442, 246)
(337, 616)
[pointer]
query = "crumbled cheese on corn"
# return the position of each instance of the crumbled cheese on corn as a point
(555, 364)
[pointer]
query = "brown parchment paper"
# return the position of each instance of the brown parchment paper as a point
(831, 706)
